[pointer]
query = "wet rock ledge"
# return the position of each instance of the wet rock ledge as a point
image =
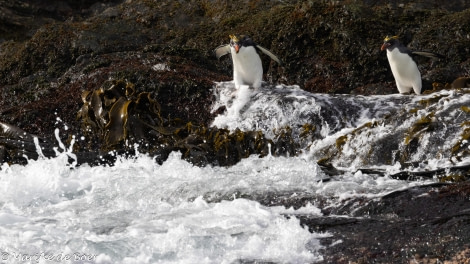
(425, 224)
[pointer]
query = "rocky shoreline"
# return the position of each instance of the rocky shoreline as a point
(58, 60)
(50, 54)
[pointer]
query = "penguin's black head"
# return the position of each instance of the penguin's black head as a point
(390, 43)
(238, 41)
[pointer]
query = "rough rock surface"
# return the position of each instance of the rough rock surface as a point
(426, 224)
(53, 54)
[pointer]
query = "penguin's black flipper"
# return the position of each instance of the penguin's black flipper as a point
(431, 55)
(222, 50)
(269, 53)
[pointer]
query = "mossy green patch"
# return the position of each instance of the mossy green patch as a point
(340, 141)
(465, 108)
(307, 130)
(455, 177)
(426, 123)
(431, 101)
(460, 149)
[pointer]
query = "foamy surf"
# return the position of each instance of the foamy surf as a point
(140, 211)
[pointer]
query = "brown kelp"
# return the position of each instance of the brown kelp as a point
(117, 118)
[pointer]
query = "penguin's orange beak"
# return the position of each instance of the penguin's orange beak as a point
(236, 47)
(384, 46)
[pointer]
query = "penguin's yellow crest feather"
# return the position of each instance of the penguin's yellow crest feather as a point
(387, 38)
(234, 38)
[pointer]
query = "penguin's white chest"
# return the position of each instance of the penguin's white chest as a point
(405, 71)
(247, 67)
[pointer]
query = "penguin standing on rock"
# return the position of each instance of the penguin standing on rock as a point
(404, 68)
(247, 66)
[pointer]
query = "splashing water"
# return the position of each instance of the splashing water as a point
(142, 212)
(138, 211)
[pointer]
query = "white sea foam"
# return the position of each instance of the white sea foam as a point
(261, 109)
(138, 211)
(141, 212)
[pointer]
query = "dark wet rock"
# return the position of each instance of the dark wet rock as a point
(422, 224)
(417, 224)
(20, 19)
